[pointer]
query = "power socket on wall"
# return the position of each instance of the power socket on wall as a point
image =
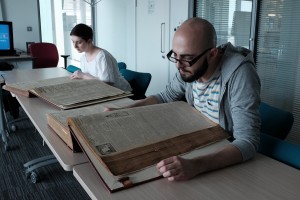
(29, 28)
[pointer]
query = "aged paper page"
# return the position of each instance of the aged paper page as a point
(58, 120)
(28, 85)
(151, 124)
(24, 87)
(130, 139)
(77, 92)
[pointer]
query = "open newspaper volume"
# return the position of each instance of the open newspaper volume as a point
(58, 120)
(125, 145)
(67, 93)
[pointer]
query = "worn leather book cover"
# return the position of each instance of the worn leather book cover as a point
(58, 120)
(124, 145)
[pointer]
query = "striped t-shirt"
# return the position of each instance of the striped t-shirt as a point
(206, 96)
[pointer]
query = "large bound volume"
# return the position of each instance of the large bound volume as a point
(125, 145)
(58, 120)
(67, 93)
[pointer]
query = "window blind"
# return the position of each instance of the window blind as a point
(231, 19)
(277, 57)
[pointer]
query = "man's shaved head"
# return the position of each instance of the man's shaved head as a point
(199, 31)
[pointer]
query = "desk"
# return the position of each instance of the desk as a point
(22, 57)
(260, 178)
(3, 126)
(36, 110)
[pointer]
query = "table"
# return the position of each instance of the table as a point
(260, 178)
(22, 57)
(36, 110)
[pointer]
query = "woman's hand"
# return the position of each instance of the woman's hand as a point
(77, 75)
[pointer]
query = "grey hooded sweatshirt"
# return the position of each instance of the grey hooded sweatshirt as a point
(239, 97)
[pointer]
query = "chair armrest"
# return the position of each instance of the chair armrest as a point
(72, 68)
(65, 60)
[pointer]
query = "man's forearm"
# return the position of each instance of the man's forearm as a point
(227, 156)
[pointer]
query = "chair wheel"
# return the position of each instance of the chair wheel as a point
(34, 177)
(13, 128)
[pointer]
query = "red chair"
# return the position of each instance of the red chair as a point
(46, 55)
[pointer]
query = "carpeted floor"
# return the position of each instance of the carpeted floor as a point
(26, 144)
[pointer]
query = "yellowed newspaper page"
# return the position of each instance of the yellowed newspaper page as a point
(76, 92)
(29, 85)
(58, 120)
(128, 128)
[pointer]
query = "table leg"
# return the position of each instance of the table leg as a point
(3, 123)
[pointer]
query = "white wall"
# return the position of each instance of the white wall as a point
(115, 29)
(177, 16)
(119, 22)
(22, 13)
(116, 26)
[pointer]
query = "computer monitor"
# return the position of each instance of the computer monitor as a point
(6, 39)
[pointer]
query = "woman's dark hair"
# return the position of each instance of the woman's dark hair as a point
(83, 31)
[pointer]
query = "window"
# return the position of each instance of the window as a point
(277, 57)
(231, 19)
(58, 17)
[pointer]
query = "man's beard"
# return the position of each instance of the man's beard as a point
(199, 73)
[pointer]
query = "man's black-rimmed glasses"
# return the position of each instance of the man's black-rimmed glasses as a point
(186, 62)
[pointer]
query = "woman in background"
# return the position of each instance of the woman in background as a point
(95, 63)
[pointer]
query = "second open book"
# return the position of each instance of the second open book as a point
(67, 93)
(124, 145)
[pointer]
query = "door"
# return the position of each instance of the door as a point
(152, 41)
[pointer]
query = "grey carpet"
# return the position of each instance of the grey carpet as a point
(26, 144)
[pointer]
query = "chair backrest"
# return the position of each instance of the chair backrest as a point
(275, 126)
(139, 82)
(274, 121)
(122, 65)
(45, 54)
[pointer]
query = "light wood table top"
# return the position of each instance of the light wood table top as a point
(36, 110)
(22, 57)
(260, 178)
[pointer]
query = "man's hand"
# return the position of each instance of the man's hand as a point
(106, 109)
(176, 168)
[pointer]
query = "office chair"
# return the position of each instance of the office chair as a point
(46, 55)
(122, 65)
(72, 68)
(138, 81)
(275, 126)
(274, 121)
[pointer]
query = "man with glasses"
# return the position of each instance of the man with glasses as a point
(220, 82)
